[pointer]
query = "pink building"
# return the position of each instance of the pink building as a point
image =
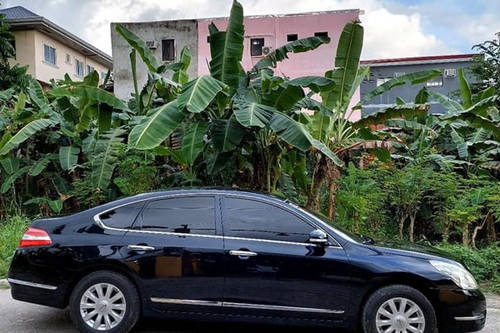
(262, 35)
(266, 33)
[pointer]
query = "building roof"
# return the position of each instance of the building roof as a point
(325, 12)
(20, 18)
(18, 12)
(421, 60)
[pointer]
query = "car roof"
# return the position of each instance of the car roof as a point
(185, 191)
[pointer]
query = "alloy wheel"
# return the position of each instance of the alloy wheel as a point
(102, 306)
(400, 315)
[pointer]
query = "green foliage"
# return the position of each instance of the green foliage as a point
(156, 126)
(11, 231)
(135, 174)
(483, 263)
(486, 68)
(226, 49)
(11, 77)
(361, 202)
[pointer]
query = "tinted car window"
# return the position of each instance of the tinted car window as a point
(256, 219)
(184, 215)
(122, 217)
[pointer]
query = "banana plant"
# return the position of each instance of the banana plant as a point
(472, 125)
(229, 97)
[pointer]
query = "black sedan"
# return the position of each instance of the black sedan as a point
(237, 256)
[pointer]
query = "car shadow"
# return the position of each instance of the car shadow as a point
(183, 326)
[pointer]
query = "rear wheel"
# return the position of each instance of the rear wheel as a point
(104, 301)
(398, 309)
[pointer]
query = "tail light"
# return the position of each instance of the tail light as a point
(35, 237)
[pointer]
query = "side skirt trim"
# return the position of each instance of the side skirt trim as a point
(185, 301)
(243, 305)
(32, 284)
(471, 318)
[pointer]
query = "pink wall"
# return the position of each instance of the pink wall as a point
(274, 29)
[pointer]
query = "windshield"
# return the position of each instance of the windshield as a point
(325, 221)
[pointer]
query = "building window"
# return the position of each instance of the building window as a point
(436, 82)
(292, 37)
(168, 49)
(450, 73)
(90, 69)
(68, 58)
(49, 54)
(321, 34)
(103, 75)
(256, 45)
(79, 68)
(382, 81)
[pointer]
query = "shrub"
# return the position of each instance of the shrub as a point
(484, 263)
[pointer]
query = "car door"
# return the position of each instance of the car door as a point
(272, 269)
(176, 249)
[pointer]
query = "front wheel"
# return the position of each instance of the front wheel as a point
(398, 309)
(104, 302)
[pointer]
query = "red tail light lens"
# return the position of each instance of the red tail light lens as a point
(35, 237)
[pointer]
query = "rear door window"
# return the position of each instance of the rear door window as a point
(182, 215)
(254, 219)
(122, 217)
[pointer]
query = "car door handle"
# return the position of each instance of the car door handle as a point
(140, 248)
(241, 253)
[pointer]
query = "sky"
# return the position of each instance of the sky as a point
(393, 28)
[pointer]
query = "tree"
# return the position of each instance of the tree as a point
(13, 77)
(407, 188)
(486, 68)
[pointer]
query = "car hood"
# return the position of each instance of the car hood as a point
(412, 250)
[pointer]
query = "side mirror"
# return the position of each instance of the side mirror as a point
(318, 237)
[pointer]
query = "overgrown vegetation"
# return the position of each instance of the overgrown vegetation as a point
(11, 231)
(398, 173)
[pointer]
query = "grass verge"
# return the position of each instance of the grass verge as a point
(11, 231)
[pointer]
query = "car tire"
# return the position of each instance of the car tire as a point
(384, 308)
(119, 310)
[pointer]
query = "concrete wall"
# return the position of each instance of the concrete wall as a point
(408, 92)
(25, 50)
(30, 52)
(184, 32)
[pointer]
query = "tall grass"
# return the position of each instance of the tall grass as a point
(11, 230)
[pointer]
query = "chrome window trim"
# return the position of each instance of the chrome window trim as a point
(242, 305)
(31, 284)
(99, 222)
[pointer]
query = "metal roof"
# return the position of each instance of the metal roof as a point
(18, 12)
(421, 60)
(20, 18)
(251, 17)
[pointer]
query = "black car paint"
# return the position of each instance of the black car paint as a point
(340, 276)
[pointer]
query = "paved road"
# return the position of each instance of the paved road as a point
(17, 317)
